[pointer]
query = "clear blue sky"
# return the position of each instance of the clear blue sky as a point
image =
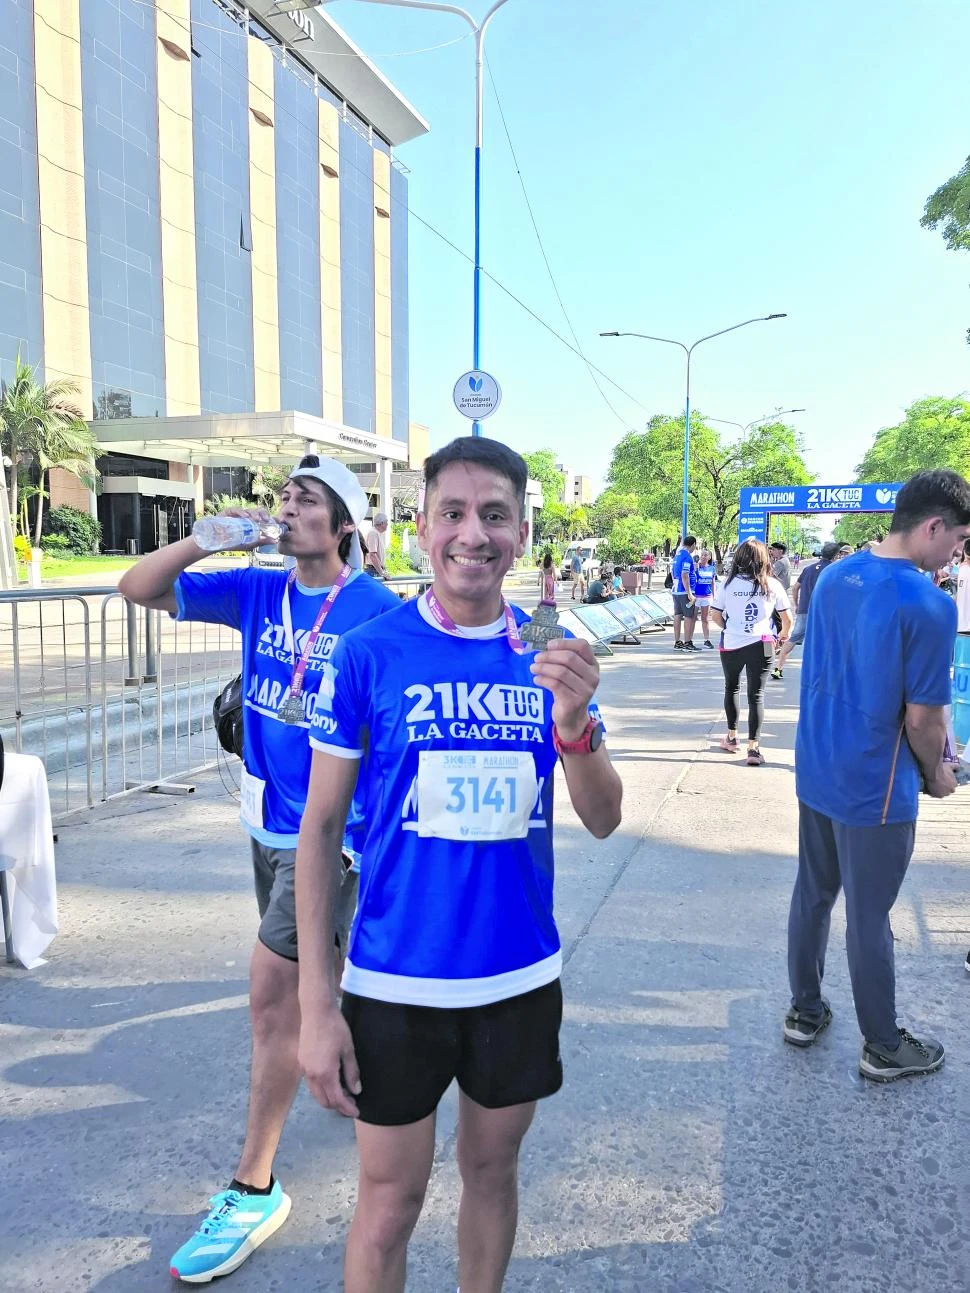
(690, 165)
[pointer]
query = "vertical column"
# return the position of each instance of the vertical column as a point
(262, 200)
(63, 222)
(384, 468)
(382, 294)
(333, 381)
(176, 190)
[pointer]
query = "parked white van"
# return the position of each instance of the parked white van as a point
(587, 552)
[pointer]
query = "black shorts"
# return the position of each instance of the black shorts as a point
(502, 1054)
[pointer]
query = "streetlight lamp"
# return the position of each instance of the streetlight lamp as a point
(688, 351)
(479, 31)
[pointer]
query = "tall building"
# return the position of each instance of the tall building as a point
(576, 490)
(203, 225)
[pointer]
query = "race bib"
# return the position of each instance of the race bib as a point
(251, 791)
(475, 796)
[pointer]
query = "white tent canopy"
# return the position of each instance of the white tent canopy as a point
(243, 439)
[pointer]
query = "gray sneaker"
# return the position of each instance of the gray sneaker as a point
(802, 1031)
(914, 1055)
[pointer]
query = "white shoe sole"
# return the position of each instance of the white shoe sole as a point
(246, 1248)
(882, 1075)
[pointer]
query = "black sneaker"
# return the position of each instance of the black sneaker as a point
(802, 1031)
(689, 646)
(709, 644)
(678, 645)
(912, 1056)
(966, 963)
(777, 674)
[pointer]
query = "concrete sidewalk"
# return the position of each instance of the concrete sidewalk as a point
(689, 1150)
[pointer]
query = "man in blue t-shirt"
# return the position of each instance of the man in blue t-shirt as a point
(454, 962)
(291, 623)
(871, 734)
(684, 575)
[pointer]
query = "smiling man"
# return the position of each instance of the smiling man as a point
(290, 624)
(454, 962)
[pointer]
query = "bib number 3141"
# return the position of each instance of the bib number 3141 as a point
(474, 796)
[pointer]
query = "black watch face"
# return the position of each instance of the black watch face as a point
(596, 738)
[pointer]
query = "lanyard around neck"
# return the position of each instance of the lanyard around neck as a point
(445, 622)
(300, 664)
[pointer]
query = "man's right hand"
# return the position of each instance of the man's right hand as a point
(327, 1058)
(943, 783)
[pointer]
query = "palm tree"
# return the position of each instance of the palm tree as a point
(42, 424)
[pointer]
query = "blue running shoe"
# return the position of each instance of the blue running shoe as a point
(236, 1226)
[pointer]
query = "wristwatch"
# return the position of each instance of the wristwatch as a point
(588, 743)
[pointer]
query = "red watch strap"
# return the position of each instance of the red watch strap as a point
(582, 746)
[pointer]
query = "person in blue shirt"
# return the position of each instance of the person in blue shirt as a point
(290, 623)
(684, 575)
(454, 962)
(871, 733)
(705, 579)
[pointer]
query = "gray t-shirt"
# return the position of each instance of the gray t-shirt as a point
(781, 569)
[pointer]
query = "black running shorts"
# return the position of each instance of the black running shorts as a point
(502, 1054)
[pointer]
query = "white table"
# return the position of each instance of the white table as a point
(27, 858)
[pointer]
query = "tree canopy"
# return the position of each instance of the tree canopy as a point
(649, 466)
(949, 206)
(934, 433)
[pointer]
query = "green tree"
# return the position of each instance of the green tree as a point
(934, 433)
(41, 424)
(949, 206)
(610, 507)
(629, 537)
(542, 467)
(649, 464)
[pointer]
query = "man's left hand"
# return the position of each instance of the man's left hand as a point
(568, 668)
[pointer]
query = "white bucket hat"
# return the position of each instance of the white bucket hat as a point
(346, 486)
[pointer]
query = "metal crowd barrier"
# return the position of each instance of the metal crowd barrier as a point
(113, 698)
(623, 619)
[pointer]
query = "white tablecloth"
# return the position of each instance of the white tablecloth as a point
(27, 856)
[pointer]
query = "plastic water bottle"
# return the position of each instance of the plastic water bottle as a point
(224, 533)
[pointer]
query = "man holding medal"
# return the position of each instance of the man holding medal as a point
(291, 622)
(456, 711)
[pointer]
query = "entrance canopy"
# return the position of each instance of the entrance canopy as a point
(761, 502)
(243, 439)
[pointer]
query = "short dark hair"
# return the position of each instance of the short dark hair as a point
(829, 551)
(690, 541)
(476, 451)
(339, 513)
(777, 543)
(932, 493)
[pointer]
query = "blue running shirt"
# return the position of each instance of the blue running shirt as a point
(456, 879)
(683, 561)
(276, 755)
(879, 637)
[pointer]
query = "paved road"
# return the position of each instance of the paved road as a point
(689, 1150)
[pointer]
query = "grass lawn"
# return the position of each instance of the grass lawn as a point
(62, 567)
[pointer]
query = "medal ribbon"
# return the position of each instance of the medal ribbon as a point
(299, 665)
(444, 620)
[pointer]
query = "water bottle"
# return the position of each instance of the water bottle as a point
(224, 533)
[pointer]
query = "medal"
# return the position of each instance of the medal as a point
(291, 710)
(543, 628)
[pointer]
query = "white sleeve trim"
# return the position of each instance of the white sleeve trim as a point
(337, 750)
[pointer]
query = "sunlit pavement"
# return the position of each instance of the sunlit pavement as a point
(689, 1149)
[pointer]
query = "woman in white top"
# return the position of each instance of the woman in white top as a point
(742, 608)
(963, 591)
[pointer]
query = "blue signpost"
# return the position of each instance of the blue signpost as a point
(759, 503)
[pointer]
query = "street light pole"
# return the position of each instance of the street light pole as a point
(745, 427)
(479, 30)
(688, 351)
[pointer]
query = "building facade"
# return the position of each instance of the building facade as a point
(202, 220)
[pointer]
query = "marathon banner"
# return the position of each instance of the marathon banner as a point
(758, 502)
